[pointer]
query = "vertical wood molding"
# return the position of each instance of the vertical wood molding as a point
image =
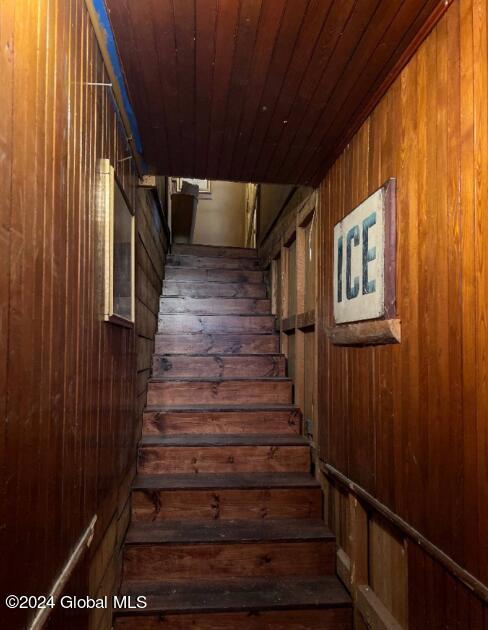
(358, 541)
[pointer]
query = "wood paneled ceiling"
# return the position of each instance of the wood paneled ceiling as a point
(259, 90)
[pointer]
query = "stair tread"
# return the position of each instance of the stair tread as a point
(227, 531)
(205, 281)
(217, 379)
(215, 250)
(223, 440)
(240, 594)
(202, 274)
(217, 297)
(217, 354)
(233, 315)
(209, 481)
(217, 334)
(235, 408)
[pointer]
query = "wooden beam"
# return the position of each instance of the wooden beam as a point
(370, 333)
(289, 323)
(358, 540)
(306, 320)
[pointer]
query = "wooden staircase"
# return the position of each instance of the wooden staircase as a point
(227, 527)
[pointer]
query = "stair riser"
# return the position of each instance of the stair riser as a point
(208, 422)
(222, 459)
(218, 366)
(213, 289)
(210, 250)
(317, 619)
(209, 262)
(212, 275)
(275, 503)
(224, 392)
(216, 344)
(214, 306)
(217, 560)
(216, 324)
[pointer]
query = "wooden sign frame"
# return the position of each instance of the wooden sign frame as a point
(385, 329)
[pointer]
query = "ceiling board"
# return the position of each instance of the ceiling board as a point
(259, 90)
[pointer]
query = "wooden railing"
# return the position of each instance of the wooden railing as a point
(70, 565)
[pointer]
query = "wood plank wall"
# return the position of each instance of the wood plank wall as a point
(289, 252)
(68, 380)
(409, 423)
(406, 427)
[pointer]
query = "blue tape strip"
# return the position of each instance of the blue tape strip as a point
(104, 22)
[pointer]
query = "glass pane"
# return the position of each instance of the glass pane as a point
(122, 297)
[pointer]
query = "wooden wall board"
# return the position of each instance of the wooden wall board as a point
(408, 422)
(266, 91)
(67, 379)
(388, 568)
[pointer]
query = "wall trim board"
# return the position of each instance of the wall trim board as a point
(469, 580)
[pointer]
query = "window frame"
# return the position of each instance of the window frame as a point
(109, 180)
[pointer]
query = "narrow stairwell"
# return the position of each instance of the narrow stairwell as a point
(227, 528)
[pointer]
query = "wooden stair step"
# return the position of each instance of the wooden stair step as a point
(216, 324)
(213, 262)
(195, 408)
(241, 594)
(225, 343)
(235, 531)
(157, 420)
(213, 289)
(223, 454)
(301, 619)
(232, 496)
(218, 251)
(172, 391)
(215, 306)
(284, 603)
(212, 481)
(219, 365)
(212, 275)
(223, 440)
(208, 549)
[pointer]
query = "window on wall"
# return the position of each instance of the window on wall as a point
(119, 249)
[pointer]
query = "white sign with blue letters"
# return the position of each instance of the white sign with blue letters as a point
(359, 262)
